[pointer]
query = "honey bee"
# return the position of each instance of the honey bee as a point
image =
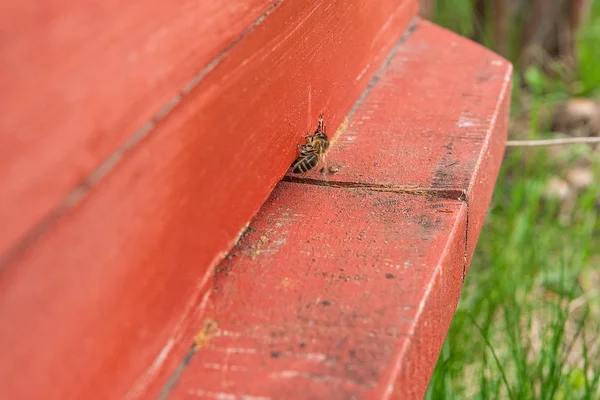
(313, 150)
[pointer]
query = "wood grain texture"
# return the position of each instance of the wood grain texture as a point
(335, 293)
(436, 122)
(102, 304)
(79, 79)
(345, 284)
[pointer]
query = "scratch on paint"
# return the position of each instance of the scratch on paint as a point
(291, 374)
(236, 350)
(224, 395)
(317, 357)
(362, 73)
(464, 122)
(223, 332)
(224, 367)
(299, 24)
(308, 121)
(160, 359)
(469, 121)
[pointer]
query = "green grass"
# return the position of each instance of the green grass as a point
(528, 321)
(589, 50)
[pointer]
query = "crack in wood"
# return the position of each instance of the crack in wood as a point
(174, 378)
(441, 194)
(445, 194)
(466, 252)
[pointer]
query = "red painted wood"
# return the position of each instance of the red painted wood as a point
(79, 79)
(302, 305)
(335, 293)
(112, 285)
(436, 122)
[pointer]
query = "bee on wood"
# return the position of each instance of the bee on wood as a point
(313, 150)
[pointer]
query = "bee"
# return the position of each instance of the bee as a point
(313, 150)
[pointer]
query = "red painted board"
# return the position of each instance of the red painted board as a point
(436, 121)
(282, 328)
(112, 283)
(78, 79)
(333, 293)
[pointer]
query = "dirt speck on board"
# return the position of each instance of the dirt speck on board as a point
(224, 268)
(247, 231)
(259, 244)
(208, 330)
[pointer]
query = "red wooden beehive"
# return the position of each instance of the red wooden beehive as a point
(137, 142)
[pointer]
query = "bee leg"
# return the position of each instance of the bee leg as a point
(325, 171)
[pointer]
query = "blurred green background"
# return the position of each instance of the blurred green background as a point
(528, 323)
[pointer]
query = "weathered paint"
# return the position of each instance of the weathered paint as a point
(78, 80)
(345, 284)
(110, 282)
(334, 293)
(435, 123)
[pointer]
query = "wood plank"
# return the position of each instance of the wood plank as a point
(335, 293)
(436, 123)
(301, 308)
(79, 79)
(113, 284)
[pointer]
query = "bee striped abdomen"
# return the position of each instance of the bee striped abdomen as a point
(306, 163)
